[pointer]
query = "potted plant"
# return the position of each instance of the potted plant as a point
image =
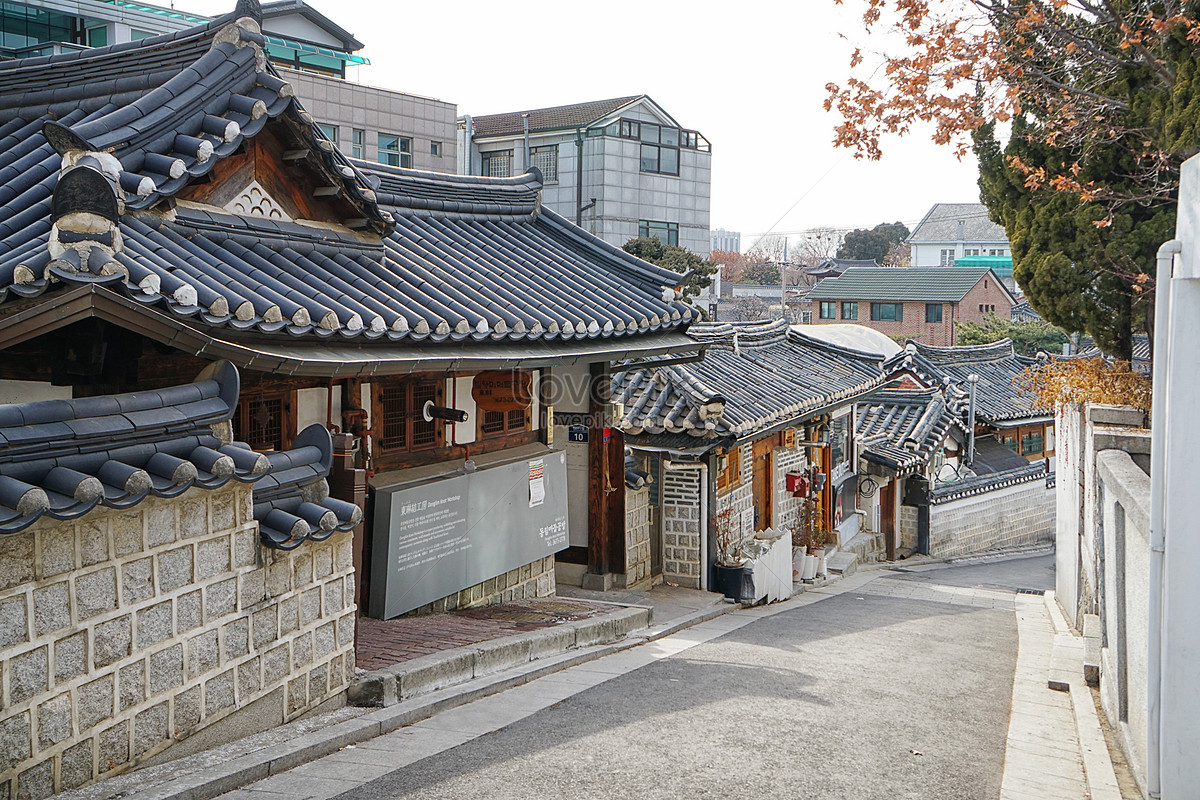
(734, 575)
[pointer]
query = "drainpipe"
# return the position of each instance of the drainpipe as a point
(579, 177)
(525, 125)
(1158, 494)
(972, 379)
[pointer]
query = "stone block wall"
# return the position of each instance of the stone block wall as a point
(1016, 516)
(681, 527)
(908, 527)
(787, 507)
(127, 631)
(638, 520)
(535, 579)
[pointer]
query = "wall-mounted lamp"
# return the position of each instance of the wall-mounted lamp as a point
(430, 412)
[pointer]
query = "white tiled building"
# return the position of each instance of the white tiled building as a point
(312, 52)
(950, 231)
(642, 173)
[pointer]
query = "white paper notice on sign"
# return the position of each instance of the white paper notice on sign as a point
(537, 482)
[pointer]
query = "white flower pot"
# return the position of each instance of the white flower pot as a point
(810, 568)
(798, 556)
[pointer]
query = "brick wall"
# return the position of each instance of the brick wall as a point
(681, 527)
(127, 631)
(908, 527)
(535, 579)
(913, 324)
(638, 519)
(1017, 516)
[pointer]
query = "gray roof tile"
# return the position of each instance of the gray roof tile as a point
(576, 115)
(753, 376)
(941, 224)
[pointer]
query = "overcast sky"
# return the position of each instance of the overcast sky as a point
(749, 76)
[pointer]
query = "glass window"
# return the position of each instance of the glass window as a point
(850, 310)
(670, 136)
(497, 164)
(947, 258)
(395, 151)
(665, 232)
(828, 309)
(358, 143)
(649, 158)
(135, 35)
(933, 312)
(330, 132)
(435, 149)
(1031, 443)
(887, 312)
(839, 440)
(668, 160)
(97, 37)
(649, 133)
(545, 158)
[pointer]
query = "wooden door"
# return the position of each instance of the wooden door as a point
(887, 517)
(764, 482)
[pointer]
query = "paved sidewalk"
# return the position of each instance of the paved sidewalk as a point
(382, 643)
(1042, 757)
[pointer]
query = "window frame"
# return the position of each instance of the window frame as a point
(435, 149)
(877, 312)
(358, 143)
(330, 131)
(287, 421)
(486, 158)
(402, 150)
(930, 308)
(850, 306)
(827, 309)
(648, 228)
(548, 175)
(388, 455)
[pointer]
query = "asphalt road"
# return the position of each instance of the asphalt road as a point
(857, 697)
(1034, 573)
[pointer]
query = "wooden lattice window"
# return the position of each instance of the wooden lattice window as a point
(402, 426)
(262, 420)
(497, 423)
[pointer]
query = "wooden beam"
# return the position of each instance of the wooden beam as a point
(296, 155)
(325, 191)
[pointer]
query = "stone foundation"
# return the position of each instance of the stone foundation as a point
(127, 631)
(532, 580)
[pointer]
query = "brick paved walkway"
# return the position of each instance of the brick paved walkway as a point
(384, 643)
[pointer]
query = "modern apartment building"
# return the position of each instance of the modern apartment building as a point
(310, 51)
(620, 168)
(730, 241)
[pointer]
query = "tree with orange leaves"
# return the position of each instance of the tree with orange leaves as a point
(1101, 96)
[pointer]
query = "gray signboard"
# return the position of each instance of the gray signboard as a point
(436, 538)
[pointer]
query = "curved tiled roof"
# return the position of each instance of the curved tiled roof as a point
(997, 397)
(901, 429)
(753, 376)
(430, 258)
(63, 458)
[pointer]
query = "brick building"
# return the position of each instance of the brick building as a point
(920, 303)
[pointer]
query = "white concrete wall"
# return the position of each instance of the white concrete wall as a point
(29, 391)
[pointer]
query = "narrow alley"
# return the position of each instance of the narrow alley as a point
(891, 684)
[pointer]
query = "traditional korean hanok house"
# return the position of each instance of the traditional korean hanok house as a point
(998, 493)
(903, 434)
(759, 427)
(1003, 411)
(167, 202)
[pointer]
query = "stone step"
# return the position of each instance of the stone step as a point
(1066, 662)
(843, 563)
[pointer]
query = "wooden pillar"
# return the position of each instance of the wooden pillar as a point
(599, 546)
